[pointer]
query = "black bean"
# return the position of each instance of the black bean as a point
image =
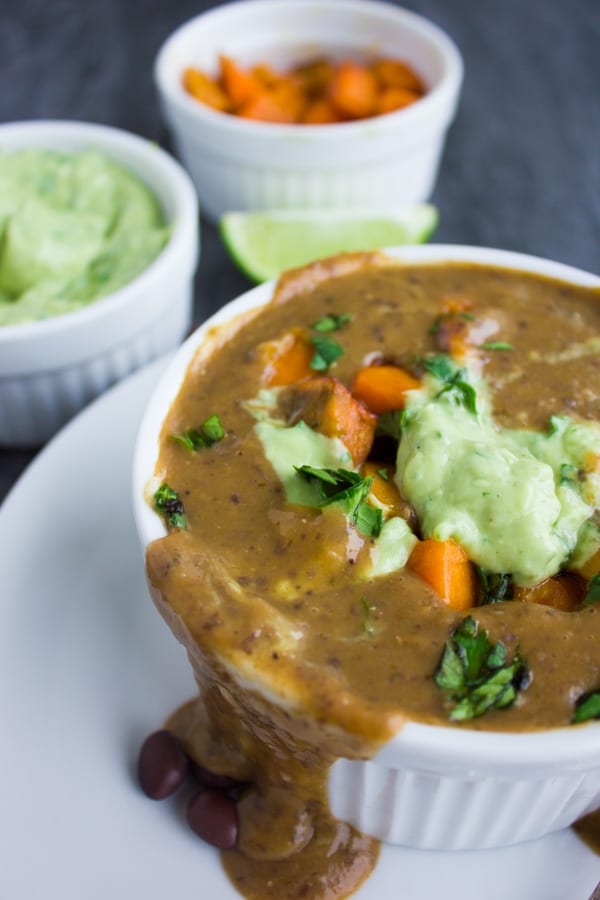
(214, 818)
(212, 780)
(162, 765)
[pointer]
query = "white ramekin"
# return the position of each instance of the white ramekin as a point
(238, 164)
(430, 787)
(50, 369)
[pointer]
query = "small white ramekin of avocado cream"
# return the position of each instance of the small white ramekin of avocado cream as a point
(98, 248)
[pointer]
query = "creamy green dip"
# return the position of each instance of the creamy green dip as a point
(73, 228)
(517, 501)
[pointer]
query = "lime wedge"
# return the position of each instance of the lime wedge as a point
(264, 244)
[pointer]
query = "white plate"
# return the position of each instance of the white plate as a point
(89, 668)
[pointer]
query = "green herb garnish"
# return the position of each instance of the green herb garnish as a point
(327, 350)
(443, 368)
(593, 591)
(331, 322)
(389, 424)
(367, 610)
(497, 345)
(475, 675)
(568, 474)
(495, 587)
(168, 501)
(210, 432)
(587, 707)
(348, 489)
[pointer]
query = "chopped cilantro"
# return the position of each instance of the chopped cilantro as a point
(331, 322)
(441, 367)
(445, 370)
(497, 345)
(587, 707)
(474, 673)
(389, 424)
(210, 432)
(593, 591)
(350, 490)
(327, 350)
(495, 587)
(383, 473)
(569, 474)
(167, 501)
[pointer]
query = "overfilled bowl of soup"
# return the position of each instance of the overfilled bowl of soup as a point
(368, 496)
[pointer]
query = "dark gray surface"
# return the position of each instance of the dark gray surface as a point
(521, 169)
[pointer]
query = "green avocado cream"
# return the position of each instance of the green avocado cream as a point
(73, 228)
(517, 501)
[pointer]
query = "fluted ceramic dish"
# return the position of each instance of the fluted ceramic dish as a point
(237, 164)
(430, 787)
(52, 368)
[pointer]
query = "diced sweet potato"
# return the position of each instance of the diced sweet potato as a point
(240, 85)
(320, 112)
(383, 388)
(393, 73)
(384, 490)
(353, 90)
(445, 566)
(205, 89)
(564, 592)
(287, 359)
(266, 107)
(326, 405)
(392, 99)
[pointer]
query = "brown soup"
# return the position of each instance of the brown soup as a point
(301, 655)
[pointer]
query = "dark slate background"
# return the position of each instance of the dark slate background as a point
(521, 169)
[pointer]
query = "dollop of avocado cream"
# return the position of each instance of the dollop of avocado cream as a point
(516, 501)
(73, 228)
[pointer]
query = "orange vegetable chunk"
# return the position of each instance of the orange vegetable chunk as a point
(564, 592)
(240, 86)
(353, 90)
(392, 99)
(320, 112)
(287, 359)
(383, 388)
(445, 566)
(266, 107)
(203, 88)
(384, 490)
(393, 73)
(326, 405)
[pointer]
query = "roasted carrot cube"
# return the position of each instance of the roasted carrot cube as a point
(266, 107)
(353, 90)
(393, 73)
(383, 388)
(445, 566)
(326, 405)
(392, 99)
(320, 112)
(240, 86)
(384, 490)
(205, 89)
(287, 359)
(564, 592)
